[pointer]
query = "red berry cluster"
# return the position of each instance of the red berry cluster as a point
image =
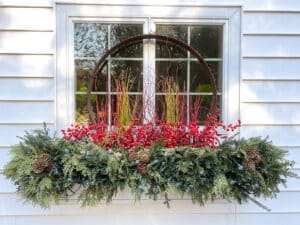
(170, 134)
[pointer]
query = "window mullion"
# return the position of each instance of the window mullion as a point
(109, 105)
(188, 77)
(149, 81)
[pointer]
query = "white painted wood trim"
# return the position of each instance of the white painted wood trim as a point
(230, 17)
(216, 3)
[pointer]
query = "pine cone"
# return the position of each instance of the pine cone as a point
(249, 165)
(144, 157)
(142, 167)
(39, 166)
(43, 163)
(44, 157)
(133, 156)
(256, 159)
(250, 152)
(253, 155)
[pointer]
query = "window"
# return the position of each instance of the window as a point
(122, 70)
(150, 66)
(174, 68)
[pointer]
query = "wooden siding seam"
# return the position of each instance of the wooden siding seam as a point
(25, 6)
(269, 57)
(27, 30)
(268, 213)
(27, 100)
(28, 53)
(271, 124)
(293, 148)
(271, 79)
(7, 77)
(272, 11)
(24, 76)
(271, 34)
(5, 146)
(26, 124)
(268, 101)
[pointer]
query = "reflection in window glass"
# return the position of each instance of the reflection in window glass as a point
(180, 66)
(207, 40)
(91, 39)
(90, 43)
(183, 90)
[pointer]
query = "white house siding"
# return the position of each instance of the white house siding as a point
(270, 99)
(27, 48)
(269, 103)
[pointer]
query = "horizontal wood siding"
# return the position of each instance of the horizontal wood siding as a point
(10, 131)
(268, 218)
(258, 68)
(272, 5)
(270, 46)
(270, 90)
(24, 65)
(20, 42)
(28, 19)
(269, 105)
(270, 113)
(35, 89)
(4, 156)
(27, 3)
(127, 219)
(26, 112)
(269, 23)
(27, 97)
(157, 219)
(270, 84)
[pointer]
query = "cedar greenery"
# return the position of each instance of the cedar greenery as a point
(97, 174)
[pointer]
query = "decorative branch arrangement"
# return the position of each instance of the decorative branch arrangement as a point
(154, 159)
(96, 161)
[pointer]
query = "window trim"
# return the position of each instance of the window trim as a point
(229, 17)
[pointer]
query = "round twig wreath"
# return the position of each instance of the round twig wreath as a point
(130, 41)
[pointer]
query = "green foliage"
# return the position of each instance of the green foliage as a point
(44, 188)
(203, 174)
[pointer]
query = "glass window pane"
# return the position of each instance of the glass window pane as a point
(199, 107)
(200, 81)
(91, 39)
(123, 110)
(170, 71)
(83, 70)
(82, 114)
(128, 72)
(171, 108)
(120, 32)
(167, 49)
(176, 31)
(207, 40)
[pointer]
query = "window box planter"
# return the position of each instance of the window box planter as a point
(46, 169)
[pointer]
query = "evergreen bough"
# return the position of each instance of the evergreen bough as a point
(204, 174)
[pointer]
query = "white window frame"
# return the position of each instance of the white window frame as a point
(67, 14)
